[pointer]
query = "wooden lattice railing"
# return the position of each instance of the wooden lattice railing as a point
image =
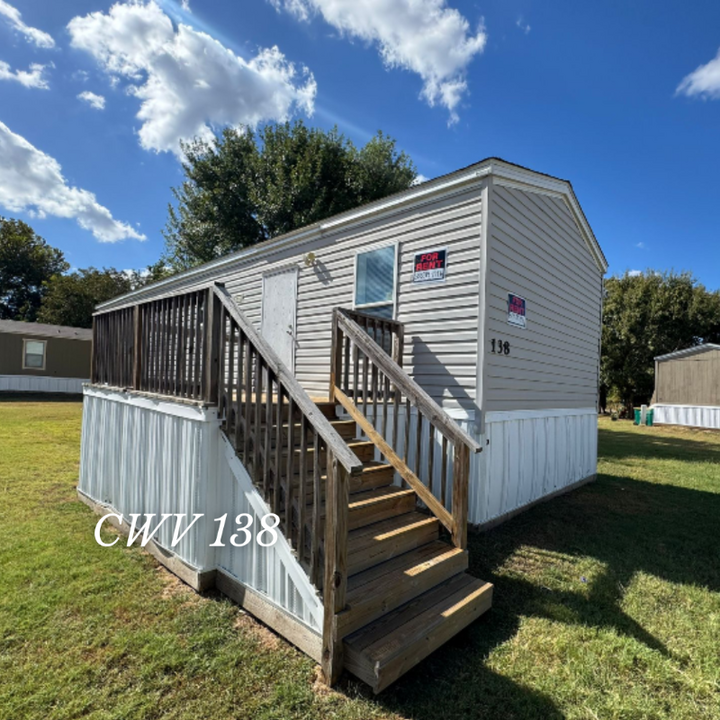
(199, 346)
(376, 392)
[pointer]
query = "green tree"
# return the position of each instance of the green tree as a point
(648, 315)
(245, 187)
(27, 263)
(71, 299)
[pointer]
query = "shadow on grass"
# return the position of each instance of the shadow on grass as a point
(625, 524)
(29, 397)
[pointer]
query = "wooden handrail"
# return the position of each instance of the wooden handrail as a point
(375, 381)
(405, 383)
(341, 452)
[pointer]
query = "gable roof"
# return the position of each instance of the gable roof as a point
(695, 350)
(16, 327)
(501, 171)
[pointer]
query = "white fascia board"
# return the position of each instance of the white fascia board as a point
(688, 351)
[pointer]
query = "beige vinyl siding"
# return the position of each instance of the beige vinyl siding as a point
(536, 250)
(692, 380)
(440, 318)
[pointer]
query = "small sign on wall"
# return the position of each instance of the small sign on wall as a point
(430, 266)
(516, 311)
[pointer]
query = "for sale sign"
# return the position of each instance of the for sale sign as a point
(516, 311)
(430, 266)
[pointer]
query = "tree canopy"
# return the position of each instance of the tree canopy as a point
(71, 299)
(647, 315)
(27, 264)
(245, 187)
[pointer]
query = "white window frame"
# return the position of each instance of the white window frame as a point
(369, 306)
(24, 355)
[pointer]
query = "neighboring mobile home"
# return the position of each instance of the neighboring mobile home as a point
(687, 387)
(43, 358)
(449, 337)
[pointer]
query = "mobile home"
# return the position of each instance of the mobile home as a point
(687, 387)
(380, 381)
(41, 358)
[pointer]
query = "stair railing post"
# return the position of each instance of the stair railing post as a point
(137, 349)
(461, 476)
(212, 347)
(335, 584)
(335, 356)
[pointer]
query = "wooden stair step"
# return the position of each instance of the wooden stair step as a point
(346, 429)
(364, 449)
(375, 592)
(373, 544)
(371, 506)
(374, 475)
(384, 650)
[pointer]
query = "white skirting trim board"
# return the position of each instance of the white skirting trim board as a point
(701, 416)
(41, 384)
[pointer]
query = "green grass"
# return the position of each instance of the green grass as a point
(607, 604)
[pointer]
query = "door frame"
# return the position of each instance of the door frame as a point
(290, 267)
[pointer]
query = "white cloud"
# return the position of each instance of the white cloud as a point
(640, 245)
(33, 35)
(187, 82)
(424, 36)
(32, 78)
(93, 100)
(634, 273)
(704, 81)
(185, 5)
(419, 178)
(524, 26)
(32, 181)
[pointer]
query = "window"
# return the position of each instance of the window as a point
(33, 354)
(375, 281)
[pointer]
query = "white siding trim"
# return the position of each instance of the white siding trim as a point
(509, 415)
(41, 384)
(199, 413)
(701, 416)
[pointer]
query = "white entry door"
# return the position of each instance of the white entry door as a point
(279, 310)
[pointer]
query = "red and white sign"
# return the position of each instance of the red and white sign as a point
(430, 266)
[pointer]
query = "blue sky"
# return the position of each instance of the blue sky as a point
(572, 89)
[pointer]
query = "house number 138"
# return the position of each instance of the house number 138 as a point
(499, 347)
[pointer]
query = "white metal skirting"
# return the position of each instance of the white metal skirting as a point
(141, 455)
(41, 384)
(526, 455)
(689, 415)
(530, 454)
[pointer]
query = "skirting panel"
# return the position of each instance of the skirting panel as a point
(33, 384)
(528, 455)
(146, 456)
(142, 455)
(690, 415)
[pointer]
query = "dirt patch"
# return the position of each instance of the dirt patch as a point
(265, 637)
(174, 588)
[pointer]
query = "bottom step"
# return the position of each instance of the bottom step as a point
(382, 651)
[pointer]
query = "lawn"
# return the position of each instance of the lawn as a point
(607, 604)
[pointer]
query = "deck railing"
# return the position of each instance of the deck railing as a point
(199, 346)
(376, 392)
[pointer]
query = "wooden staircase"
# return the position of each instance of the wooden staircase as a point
(407, 589)
(370, 484)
